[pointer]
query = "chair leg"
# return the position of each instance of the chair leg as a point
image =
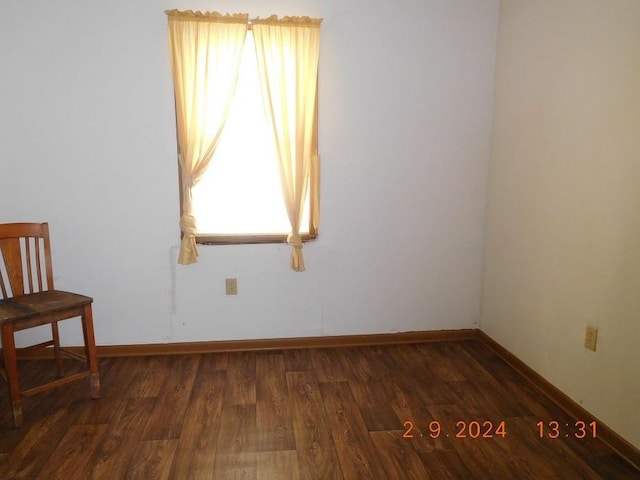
(90, 351)
(11, 368)
(56, 349)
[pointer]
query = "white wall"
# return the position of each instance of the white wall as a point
(88, 143)
(563, 229)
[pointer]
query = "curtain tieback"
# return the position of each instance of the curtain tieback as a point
(294, 240)
(188, 225)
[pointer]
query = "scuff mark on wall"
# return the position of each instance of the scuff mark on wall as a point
(173, 261)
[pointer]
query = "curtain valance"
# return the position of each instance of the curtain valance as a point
(199, 16)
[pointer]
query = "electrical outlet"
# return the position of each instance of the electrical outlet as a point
(231, 286)
(591, 338)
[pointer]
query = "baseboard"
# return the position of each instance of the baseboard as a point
(606, 434)
(265, 344)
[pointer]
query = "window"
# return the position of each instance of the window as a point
(239, 197)
(246, 117)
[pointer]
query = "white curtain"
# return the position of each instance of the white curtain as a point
(206, 49)
(287, 51)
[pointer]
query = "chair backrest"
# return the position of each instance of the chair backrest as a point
(25, 263)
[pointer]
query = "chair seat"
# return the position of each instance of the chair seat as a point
(34, 304)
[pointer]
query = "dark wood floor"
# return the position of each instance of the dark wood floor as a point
(334, 413)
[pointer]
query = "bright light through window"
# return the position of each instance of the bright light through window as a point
(240, 192)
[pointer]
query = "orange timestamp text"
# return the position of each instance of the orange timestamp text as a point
(461, 429)
(578, 429)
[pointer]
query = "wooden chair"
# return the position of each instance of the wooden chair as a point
(28, 299)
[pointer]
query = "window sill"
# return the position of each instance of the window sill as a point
(248, 239)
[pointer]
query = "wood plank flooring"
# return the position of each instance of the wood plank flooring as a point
(309, 414)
